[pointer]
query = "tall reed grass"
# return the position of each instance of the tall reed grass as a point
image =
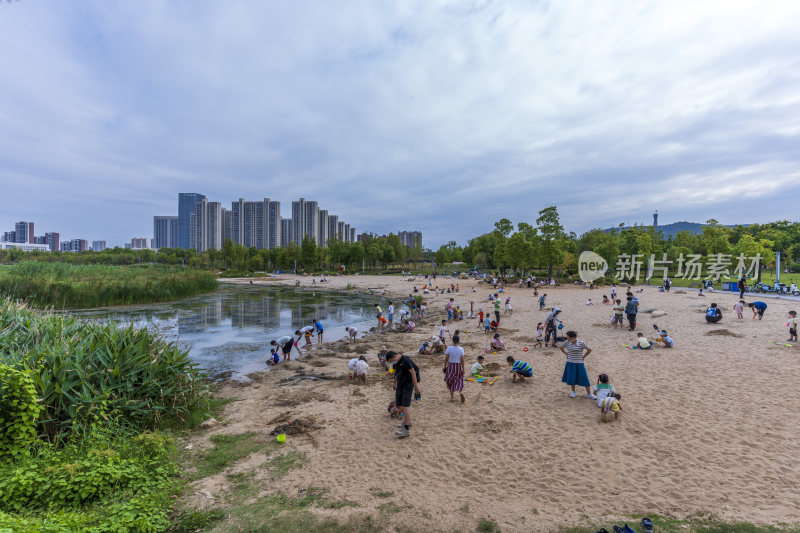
(62, 285)
(86, 372)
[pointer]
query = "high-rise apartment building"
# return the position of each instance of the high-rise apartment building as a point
(165, 232)
(352, 234)
(227, 225)
(333, 227)
(322, 237)
(206, 226)
(23, 232)
(99, 246)
(137, 243)
(186, 203)
(274, 237)
(39, 240)
(287, 231)
(74, 245)
(53, 240)
(346, 233)
(340, 231)
(410, 238)
(298, 220)
(311, 221)
(9, 236)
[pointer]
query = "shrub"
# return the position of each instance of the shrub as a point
(86, 372)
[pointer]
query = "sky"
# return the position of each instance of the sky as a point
(410, 115)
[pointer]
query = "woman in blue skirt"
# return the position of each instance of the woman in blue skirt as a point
(575, 371)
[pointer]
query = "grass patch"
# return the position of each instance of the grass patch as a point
(191, 521)
(66, 286)
(280, 513)
(392, 507)
(227, 450)
(487, 526)
(281, 465)
(384, 494)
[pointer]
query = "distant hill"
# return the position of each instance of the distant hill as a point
(670, 230)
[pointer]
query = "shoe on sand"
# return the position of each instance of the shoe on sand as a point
(572, 394)
(647, 524)
(402, 433)
(591, 396)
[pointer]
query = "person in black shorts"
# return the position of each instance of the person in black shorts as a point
(286, 344)
(713, 314)
(405, 383)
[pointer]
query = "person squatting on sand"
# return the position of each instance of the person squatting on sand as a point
(405, 383)
(610, 404)
(519, 369)
(286, 344)
(454, 369)
(358, 368)
(713, 314)
(575, 369)
(351, 332)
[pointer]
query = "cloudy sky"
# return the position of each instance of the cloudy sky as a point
(437, 116)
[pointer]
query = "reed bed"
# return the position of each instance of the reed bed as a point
(87, 372)
(66, 286)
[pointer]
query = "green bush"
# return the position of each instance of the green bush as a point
(63, 285)
(105, 481)
(19, 409)
(87, 372)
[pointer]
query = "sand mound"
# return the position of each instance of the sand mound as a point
(722, 332)
(492, 426)
(658, 313)
(298, 426)
(678, 292)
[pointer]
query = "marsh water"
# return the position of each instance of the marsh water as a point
(228, 331)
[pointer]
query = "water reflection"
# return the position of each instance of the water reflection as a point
(229, 330)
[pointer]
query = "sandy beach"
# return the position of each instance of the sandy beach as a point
(708, 426)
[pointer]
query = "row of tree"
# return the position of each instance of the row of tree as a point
(373, 252)
(547, 248)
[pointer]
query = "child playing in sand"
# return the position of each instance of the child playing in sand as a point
(519, 369)
(606, 301)
(541, 301)
(358, 367)
(739, 308)
(589, 302)
(443, 331)
(539, 335)
(603, 389)
(758, 309)
(274, 358)
(508, 306)
(352, 332)
(665, 339)
(610, 404)
(487, 325)
(320, 330)
(478, 368)
(425, 348)
(393, 410)
(642, 343)
(618, 311)
(700, 292)
(792, 326)
(480, 316)
(308, 332)
(497, 343)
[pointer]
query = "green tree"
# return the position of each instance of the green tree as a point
(308, 253)
(550, 230)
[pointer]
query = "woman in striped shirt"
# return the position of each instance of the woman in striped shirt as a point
(575, 371)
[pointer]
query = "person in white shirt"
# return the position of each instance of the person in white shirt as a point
(391, 314)
(478, 368)
(352, 332)
(308, 332)
(358, 368)
(454, 369)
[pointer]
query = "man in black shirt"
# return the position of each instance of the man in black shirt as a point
(405, 382)
(713, 314)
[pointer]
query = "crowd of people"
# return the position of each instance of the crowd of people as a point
(406, 377)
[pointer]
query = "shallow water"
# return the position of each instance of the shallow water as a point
(228, 331)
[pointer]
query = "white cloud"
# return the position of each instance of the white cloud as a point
(441, 116)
